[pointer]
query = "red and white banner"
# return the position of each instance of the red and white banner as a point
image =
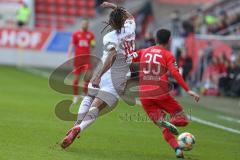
(24, 39)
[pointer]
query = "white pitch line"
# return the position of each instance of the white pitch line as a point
(215, 125)
(230, 119)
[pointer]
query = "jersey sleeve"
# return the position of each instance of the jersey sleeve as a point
(173, 68)
(109, 42)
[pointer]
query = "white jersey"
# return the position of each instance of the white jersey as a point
(123, 42)
(114, 80)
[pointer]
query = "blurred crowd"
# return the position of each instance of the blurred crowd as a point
(214, 74)
(218, 19)
(222, 19)
(205, 67)
(219, 75)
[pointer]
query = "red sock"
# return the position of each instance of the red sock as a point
(75, 87)
(169, 137)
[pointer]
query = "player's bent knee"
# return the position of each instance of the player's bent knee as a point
(180, 120)
(98, 103)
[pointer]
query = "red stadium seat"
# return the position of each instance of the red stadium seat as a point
(39, 1)
(51, 10)
(40, 9)
(48, 2)
(71, 20)
(91, 3)
(50, 26)
(91, 12)
(46, 18)
(61, 10)
(61, 19)
(81, 12)
(42, 25)
(59, 26)
(51, 18)
(60, 2)
(64, 20)
(38, 25)
(81, 3)
(39, 18)
(58, 13)
(71, 3)
(71, 12)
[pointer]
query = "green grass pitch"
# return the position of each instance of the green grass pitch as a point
(30, 129)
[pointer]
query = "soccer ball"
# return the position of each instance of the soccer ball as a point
(186, 141)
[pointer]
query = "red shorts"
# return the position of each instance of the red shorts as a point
(157, 108)
(77, 70)
(81, 65)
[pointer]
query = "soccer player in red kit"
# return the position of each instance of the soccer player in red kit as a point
(155, 64)
(82, 42)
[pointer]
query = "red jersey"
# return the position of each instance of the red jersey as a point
(83, 41)
(155, 64)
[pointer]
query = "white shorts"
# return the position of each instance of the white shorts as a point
(106, 92)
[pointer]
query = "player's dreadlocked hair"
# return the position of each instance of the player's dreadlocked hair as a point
(116, 19)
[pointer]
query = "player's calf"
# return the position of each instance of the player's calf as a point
(168, 130)
(171, 140)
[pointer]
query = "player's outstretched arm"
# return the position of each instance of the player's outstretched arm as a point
(175, 73)
(108, 5)
(114, 6)
(106, 66)
(180, 80)
(194, 95)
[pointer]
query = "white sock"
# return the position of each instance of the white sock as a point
(89, 118)
(84, 108)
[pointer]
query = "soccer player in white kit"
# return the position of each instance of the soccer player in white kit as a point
(110, 80)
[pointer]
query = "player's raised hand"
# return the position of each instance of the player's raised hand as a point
(95, 82)
(194, 95)
(108, 5)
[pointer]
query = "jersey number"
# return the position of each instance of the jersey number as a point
(152, 59)
(129, 46)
